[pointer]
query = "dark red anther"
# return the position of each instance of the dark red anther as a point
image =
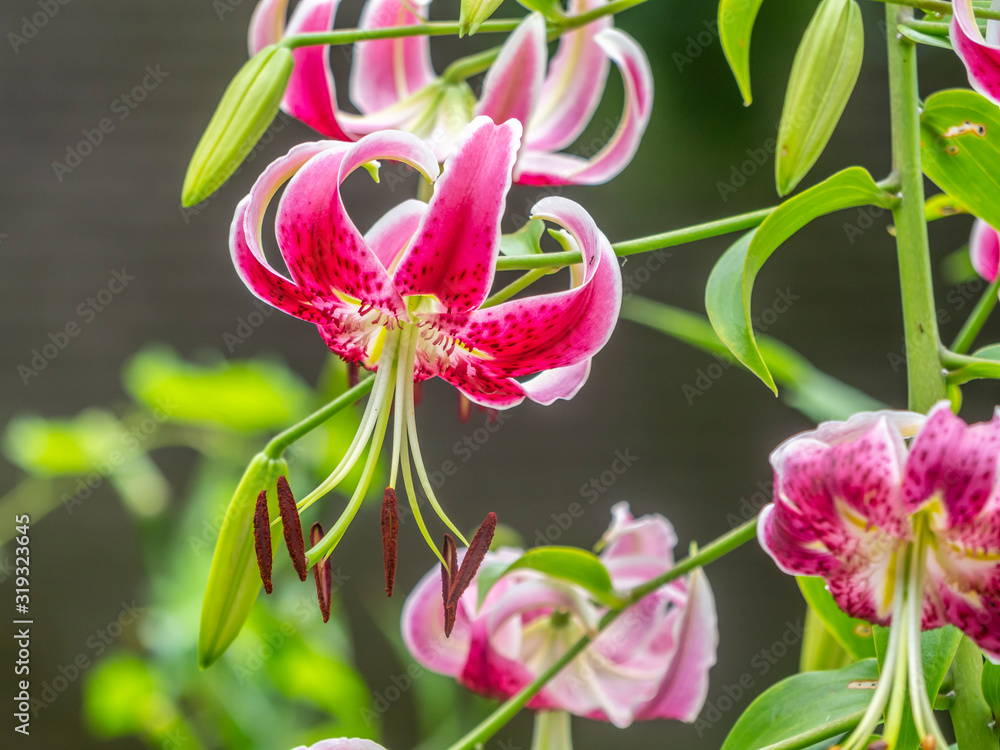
(450, 553)
(293, 528)
(262, 540)
(478, 548)
(464, 408)
(323, 573)
(353, 374)
(390, 532)
(418, 394)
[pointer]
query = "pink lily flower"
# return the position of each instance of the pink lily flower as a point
(902, 535)
(984, 250)
(342, 743)
(393, 86)
(651, 663)
(980, 56)
(406, 299)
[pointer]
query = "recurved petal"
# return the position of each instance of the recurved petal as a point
(526, 336)
(684, 687)
(389, 235)
(385, 71)
(267, 25)
(544, 168)
(559, 383)
(573, 86)
(975, 613)
(957, 464)
(514, 82)
(311, 96)
(984, 250)
(636, 550)
(981, 57)
(793, 546)
(453, 256)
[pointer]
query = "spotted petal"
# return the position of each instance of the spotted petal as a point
(386, 71)
(540, 167)
(453, 256)
(984, 250)
(573, 86)
(390, 235)
(980, 56)
(514, 81)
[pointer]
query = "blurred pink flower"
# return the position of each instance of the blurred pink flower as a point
(394, 86)
(652, 662)
(980, 56)
(984, 250)
(342, 743)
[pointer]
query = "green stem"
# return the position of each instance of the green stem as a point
(281, 442)
(977, 319)
(925, 379)
(516, 286)
(642, 244)
(712, 551)
(970, 715)
(938, 6)
(433, 28)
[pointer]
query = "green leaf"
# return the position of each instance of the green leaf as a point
(854, 636)
(808, 707)
(989, 352)
(986, 370)
(571, 564)
(247, 108)
(234, 579)
(551, 9)
(943, 205)
(960, 149)
(65, 447)
(820, 650)
(736, 19)
(824, 72)
(921, 38)
(472, 14)
(120, 696)
(727, 296)
(525, 241)
(991, 686)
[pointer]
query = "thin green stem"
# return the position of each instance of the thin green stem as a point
(643, 244)
(940, 7)
(432, 28)
(925, 380)
(963, 342)
(712, 551)
(281, 442)
(519, 284)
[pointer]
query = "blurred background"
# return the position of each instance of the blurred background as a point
(131, 351)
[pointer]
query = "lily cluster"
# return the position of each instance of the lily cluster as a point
(652, 662)
(903, 535)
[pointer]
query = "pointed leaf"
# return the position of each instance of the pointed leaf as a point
(812, 706)
(727, 296)
(991, 686)
(960, 149)
(736, 19)
(823, 75)
(525, 241)
(247, 108)
(234, 579)
(472, 14)
(571, 564)
(854, 635)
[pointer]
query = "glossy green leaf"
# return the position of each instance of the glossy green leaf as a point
(525, 241)
(730, 286)
(247, 108)
(472, 14)
(244, 395)
(991, 686)
(574, 565)
(960, 149)
(234, 579)
(824, 72)
(736, 19)
(810, 707)
(941, 206)
(853, 635)
(921, 38)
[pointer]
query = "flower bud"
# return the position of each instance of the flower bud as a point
(234, 579)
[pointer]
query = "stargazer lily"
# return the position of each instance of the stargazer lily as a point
(393, 86)
(980, 56)
(902, 535)
(406, 299)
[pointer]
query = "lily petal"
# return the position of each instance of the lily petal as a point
(385, 71)
(311, 96)
(453, 256)
(390, 235)
(984, 250)
(267, 25)
(423, 629)
(525, 336)
(573, 87)
(545, 168)
(637, 550)
(980, 57)
(514, 81)
(558, 383)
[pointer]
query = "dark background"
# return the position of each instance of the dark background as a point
(698, 457)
